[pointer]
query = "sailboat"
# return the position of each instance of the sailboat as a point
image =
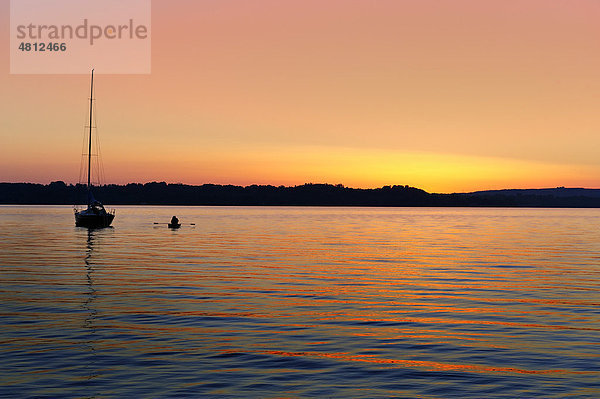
(94, 216)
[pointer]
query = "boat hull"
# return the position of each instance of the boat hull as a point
(174, 225)
(91, 220)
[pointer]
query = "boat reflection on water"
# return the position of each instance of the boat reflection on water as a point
(89, 333)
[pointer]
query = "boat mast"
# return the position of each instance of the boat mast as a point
(89, 187)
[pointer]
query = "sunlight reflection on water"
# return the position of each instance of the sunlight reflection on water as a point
(301, 302)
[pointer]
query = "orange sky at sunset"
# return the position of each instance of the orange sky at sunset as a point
(441, 95)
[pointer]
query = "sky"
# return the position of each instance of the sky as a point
(444, 95)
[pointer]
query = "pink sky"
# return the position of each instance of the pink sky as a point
(442, 95)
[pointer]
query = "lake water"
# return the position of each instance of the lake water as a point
(301, 302)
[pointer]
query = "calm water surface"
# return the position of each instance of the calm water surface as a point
(301, 302)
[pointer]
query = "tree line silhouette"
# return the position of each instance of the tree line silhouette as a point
(303, 195)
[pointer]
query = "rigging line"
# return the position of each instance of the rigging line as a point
(90, 135)
(83, 172)
(98, 160)
(81, 163)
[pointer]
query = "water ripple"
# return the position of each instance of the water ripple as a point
(301, 302)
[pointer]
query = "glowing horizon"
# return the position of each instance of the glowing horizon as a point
(444, 96)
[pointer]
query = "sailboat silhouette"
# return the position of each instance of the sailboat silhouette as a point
(94, 216)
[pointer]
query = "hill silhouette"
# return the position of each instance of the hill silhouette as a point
(304, 195)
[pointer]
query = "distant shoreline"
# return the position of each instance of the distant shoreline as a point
(59, 193)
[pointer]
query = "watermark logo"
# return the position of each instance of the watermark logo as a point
(74, 36)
